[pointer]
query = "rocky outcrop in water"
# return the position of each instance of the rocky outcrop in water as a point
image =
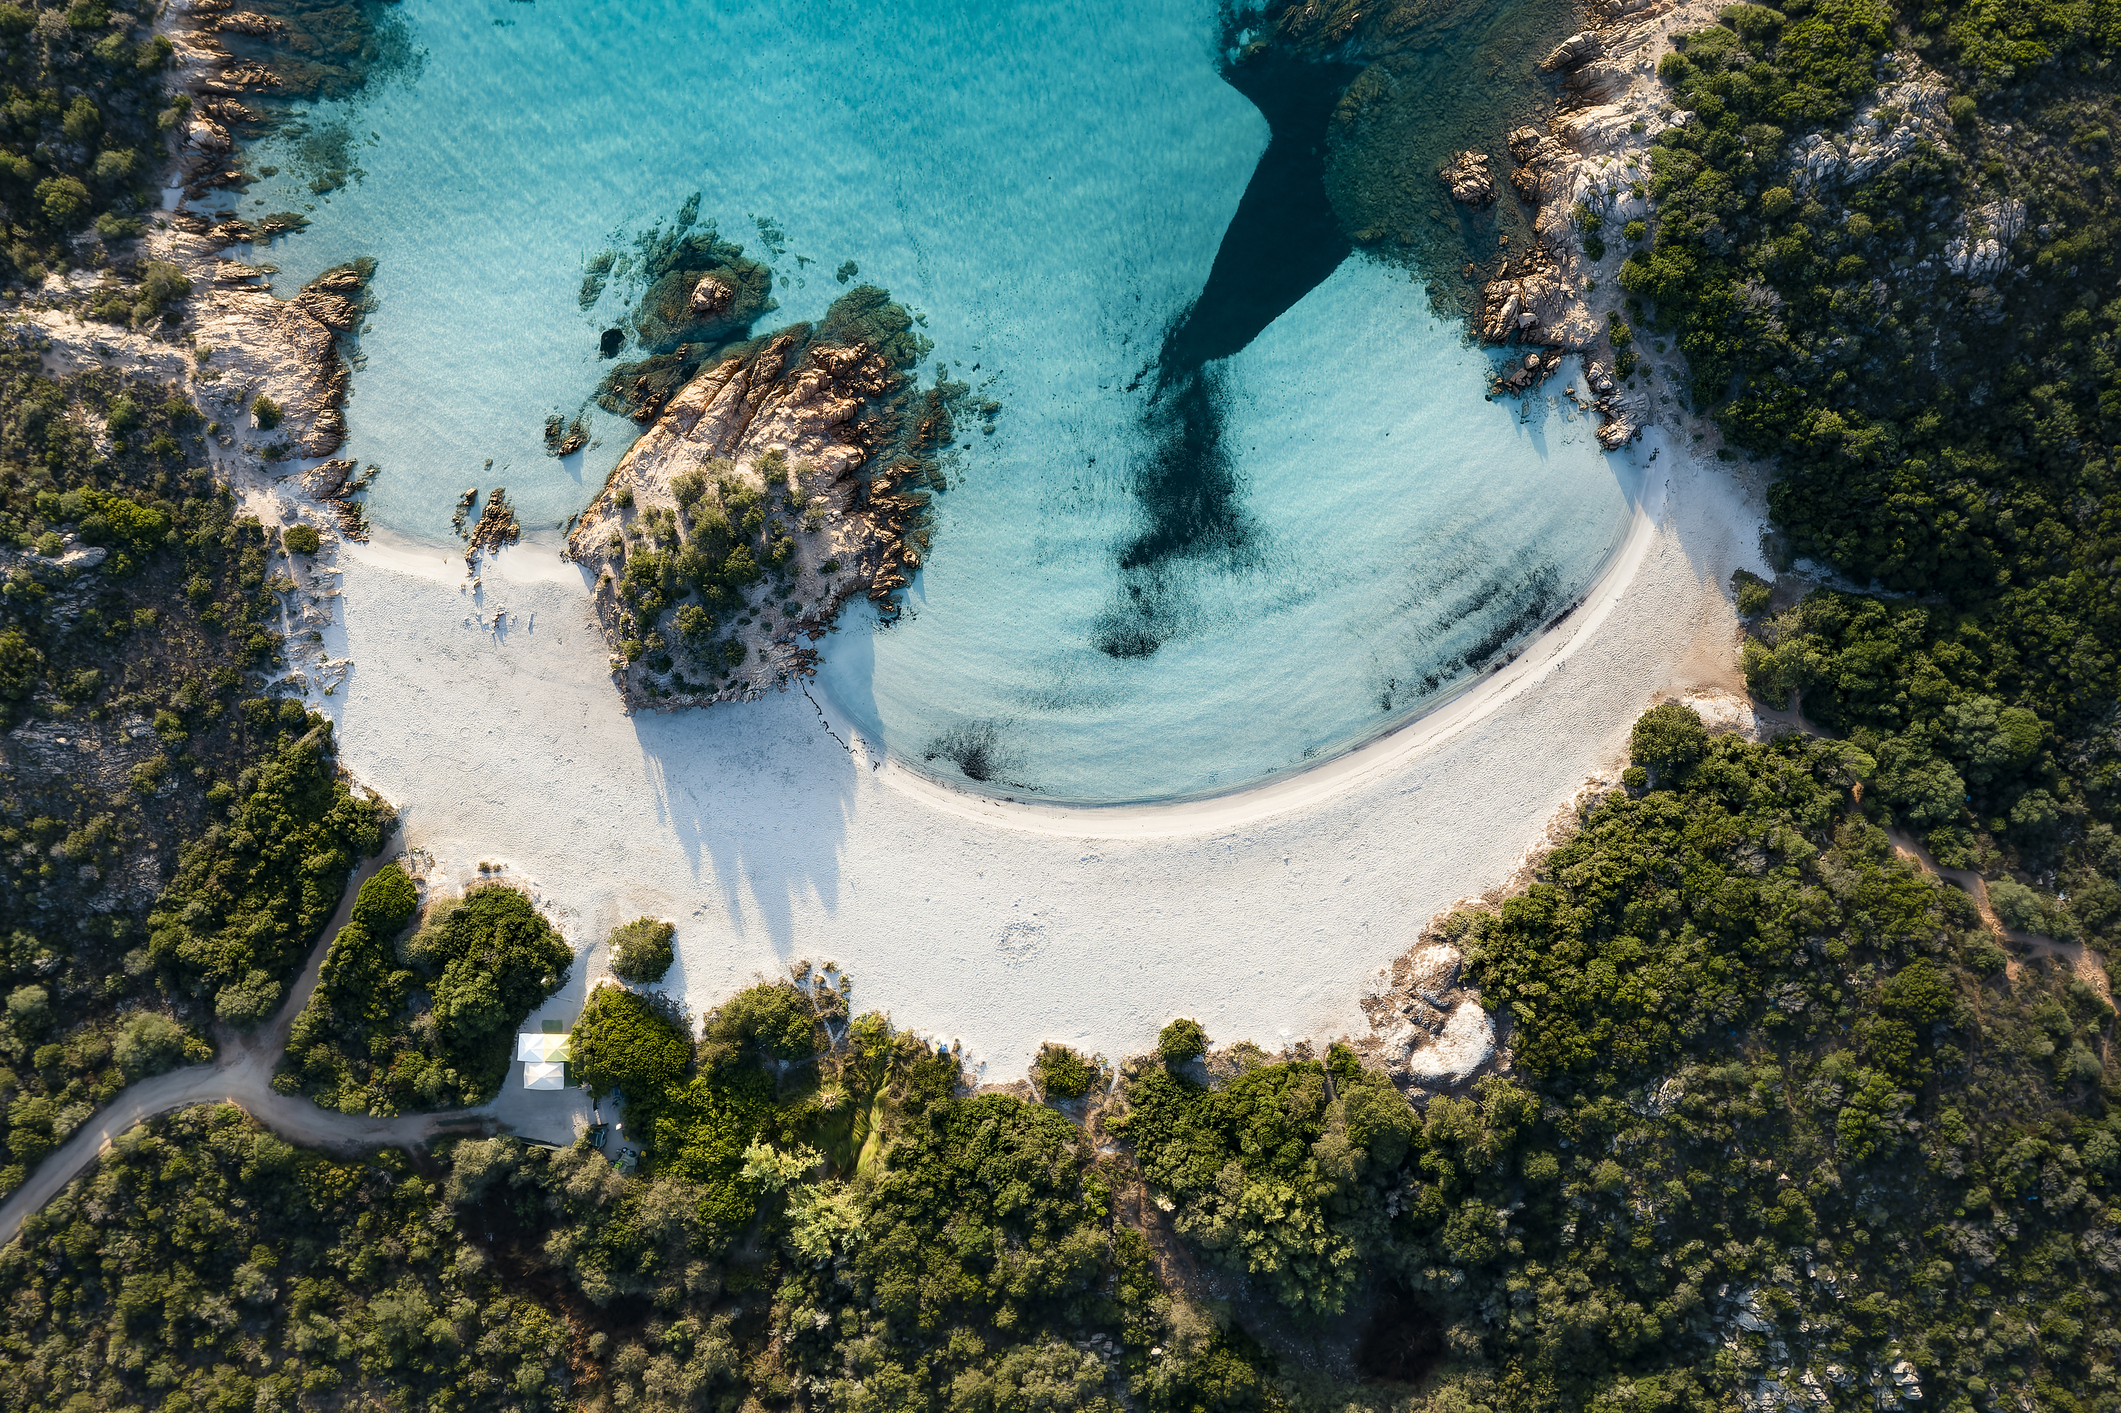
(335, 484)
(780, 482)
(1466, 176)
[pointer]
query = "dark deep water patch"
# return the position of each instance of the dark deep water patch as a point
(1281, 244)
(1284, 238)
(1351, 162)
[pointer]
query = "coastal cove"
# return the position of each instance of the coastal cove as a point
(773, 832)
(1051, 216)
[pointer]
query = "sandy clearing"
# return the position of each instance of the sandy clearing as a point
(769, 840)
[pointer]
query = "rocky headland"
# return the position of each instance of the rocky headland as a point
(1587, 172)
(787, 477)
(268, 375)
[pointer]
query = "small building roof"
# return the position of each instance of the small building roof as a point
(538, 1074)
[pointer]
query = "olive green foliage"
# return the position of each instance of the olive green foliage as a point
(912, 1246)
(1668, 740)
(423, 1021)
(211, 1265)
(267, 412)
(1967, 740)
(1754, 594)
(1280, 1174)
(1062, 1073)
(158, 288)
(1944, 434)
(1751, 1032)
(774, 1020)
(640, 950)
(626, 1042)
(1181, 1040)
(248, 900)
(969, 1271)
(145, 656)
(302, 539)
(81, 141)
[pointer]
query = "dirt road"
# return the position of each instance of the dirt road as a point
(242, 1075)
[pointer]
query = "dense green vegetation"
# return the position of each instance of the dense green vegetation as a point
(1780, 1106)
(82, 119)
(1781, 1109)
(422, 1021)
(249, 901)
(1062, 1073)
(138, 752)
(641, 951)
(206, 1264)
(1945, 428)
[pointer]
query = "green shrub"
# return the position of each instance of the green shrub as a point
(246, 904)
(267, 412)
(1667, 739)
(773, 1019)
(148, 1043)
(695, 624)
(302, 539)
(492, 958)
(1062, 1073)
(1753, 593)
(65, 202)
(386, 901)
(1180, 1041)
(623, 1042)
(2022, 909)
(641, 951)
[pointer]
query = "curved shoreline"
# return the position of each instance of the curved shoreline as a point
(1364, 761)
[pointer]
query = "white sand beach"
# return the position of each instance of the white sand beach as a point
(771, 833)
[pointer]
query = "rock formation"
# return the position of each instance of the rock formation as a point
(286, 350)
(710, 297)
(335, 484)
(1466, 175)
(776, 485)
(1428, 1029)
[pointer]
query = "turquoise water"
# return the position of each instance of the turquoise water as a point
(1048, 186)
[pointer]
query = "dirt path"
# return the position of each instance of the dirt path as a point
(2084, 962)
(242, 1075)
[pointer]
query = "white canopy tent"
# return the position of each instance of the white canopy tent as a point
(541, 1048)
(538, 1074)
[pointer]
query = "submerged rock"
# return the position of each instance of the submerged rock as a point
(1466, 174)
(711, 296)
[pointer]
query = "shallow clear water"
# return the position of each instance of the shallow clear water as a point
(1049, 186)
